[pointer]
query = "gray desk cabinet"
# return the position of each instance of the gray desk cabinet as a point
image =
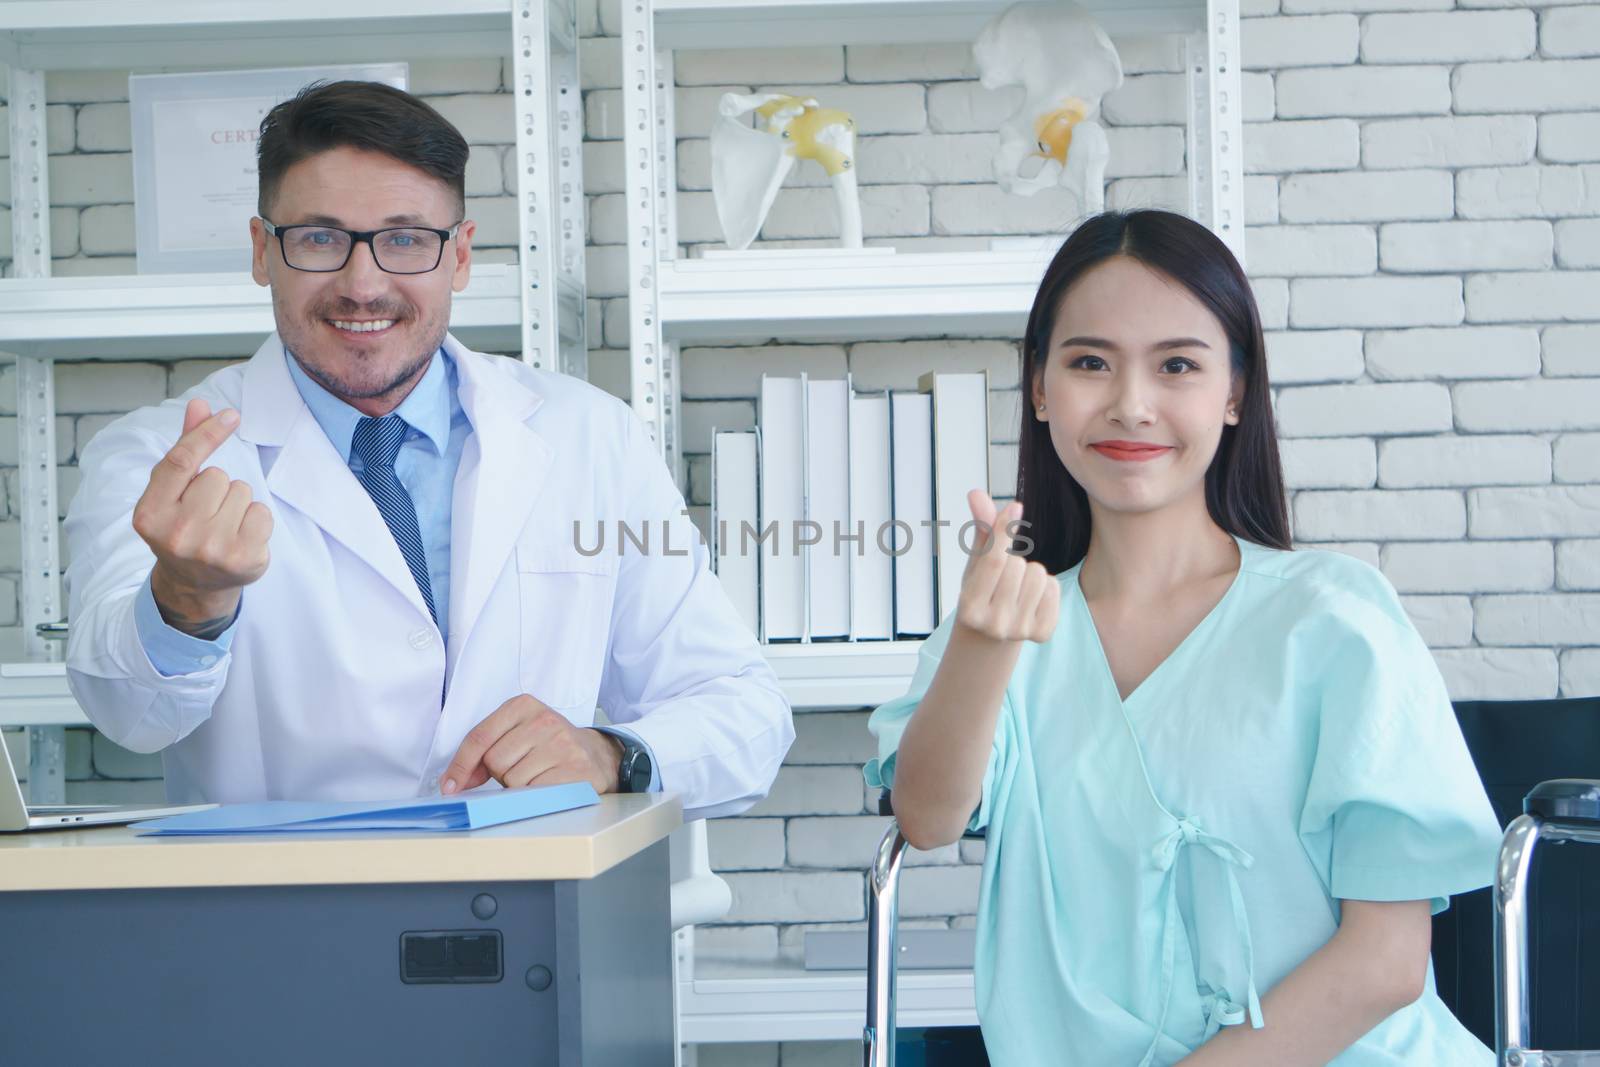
(544, 942)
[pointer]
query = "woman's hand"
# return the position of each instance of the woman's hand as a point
(1375, 963)
(1003, 596)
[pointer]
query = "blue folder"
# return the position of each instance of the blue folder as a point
(463, 811)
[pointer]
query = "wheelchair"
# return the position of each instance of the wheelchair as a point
(1530, 929)
(943, 1047)
(1555, 812)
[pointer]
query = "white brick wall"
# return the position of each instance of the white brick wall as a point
(1531, 191)
(1555, 511)
(1311, 41)
(1285, 251)
(1359, 91)
(1578, 242)
(1541, 296)
(1475, 141)
(1423, 205)
(1319, 303)
(1329, 463)
(1411, 462)
(1466, 567)
(1392, 515)
(1569, 137)
(1571, 351)
(1536, 85)
(1447, 38)
(1296, 356)
(1432, 247)
(1573, 32)
(1528, 405)
(1362, 196)
(1309, 144)
(1461, 352)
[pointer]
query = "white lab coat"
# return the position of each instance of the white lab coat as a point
(332, 688)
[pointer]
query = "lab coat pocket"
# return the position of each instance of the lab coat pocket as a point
(565, 609)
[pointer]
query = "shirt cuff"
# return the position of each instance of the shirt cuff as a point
(173, 652)
(655, 768)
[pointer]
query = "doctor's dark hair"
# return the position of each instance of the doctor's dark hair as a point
(1244, 484)
(370, 116)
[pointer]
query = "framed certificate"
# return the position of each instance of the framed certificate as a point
(194, 158)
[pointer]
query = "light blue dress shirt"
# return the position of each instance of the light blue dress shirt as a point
(429, 457)
(427, 463)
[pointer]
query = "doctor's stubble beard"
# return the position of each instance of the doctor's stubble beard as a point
(353, 373)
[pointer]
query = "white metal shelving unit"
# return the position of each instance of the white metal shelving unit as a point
(674, 300)
(536, 307)
(727, 298)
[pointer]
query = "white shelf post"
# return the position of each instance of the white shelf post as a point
(566, 104)
(666, 168)
(530, 75)
(648, 185)
(1216, 129)
(36, 416)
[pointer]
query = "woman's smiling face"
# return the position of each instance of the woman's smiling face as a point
(1137, 386)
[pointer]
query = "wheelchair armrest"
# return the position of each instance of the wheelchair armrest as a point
(1560, 800)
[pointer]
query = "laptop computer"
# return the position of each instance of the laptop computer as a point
(16, 815)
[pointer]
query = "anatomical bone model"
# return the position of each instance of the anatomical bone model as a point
(1065, 63)
(748, 164)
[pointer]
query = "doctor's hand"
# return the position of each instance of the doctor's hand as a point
(209, 538)
(526, 743)
(1004, 597)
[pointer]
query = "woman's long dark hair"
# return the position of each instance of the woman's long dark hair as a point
(1244, 484)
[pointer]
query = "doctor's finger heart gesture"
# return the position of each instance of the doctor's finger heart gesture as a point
(208, 536)
(1004, 597)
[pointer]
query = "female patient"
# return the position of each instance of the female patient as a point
(1222, 783)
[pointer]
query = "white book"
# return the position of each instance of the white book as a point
(871, 509)
(782, 420)
(911, 436)
(735, 512)
(960, 465)
(828, 507)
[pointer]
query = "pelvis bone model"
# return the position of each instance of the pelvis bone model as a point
(1065, 63)
(748, 164)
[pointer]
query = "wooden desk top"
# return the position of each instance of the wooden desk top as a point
(582, 843)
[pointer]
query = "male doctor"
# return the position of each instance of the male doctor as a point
(348, 568)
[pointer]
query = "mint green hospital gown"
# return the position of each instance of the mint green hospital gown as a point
(1155, 864)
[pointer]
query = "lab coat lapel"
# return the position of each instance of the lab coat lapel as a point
(308, 474)
(504, 466)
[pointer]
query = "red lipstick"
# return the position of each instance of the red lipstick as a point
(1130, 451)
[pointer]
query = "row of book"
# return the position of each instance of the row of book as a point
(841, 516)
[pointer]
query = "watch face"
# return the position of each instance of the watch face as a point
(635, 770)
(639, 772)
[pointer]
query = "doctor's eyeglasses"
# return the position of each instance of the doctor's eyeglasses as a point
(396, 249)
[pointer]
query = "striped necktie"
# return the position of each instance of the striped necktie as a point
(377, 442)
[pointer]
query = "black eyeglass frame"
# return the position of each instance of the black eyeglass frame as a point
(358, 237)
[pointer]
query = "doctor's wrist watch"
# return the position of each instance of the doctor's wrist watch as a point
(634, 772)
